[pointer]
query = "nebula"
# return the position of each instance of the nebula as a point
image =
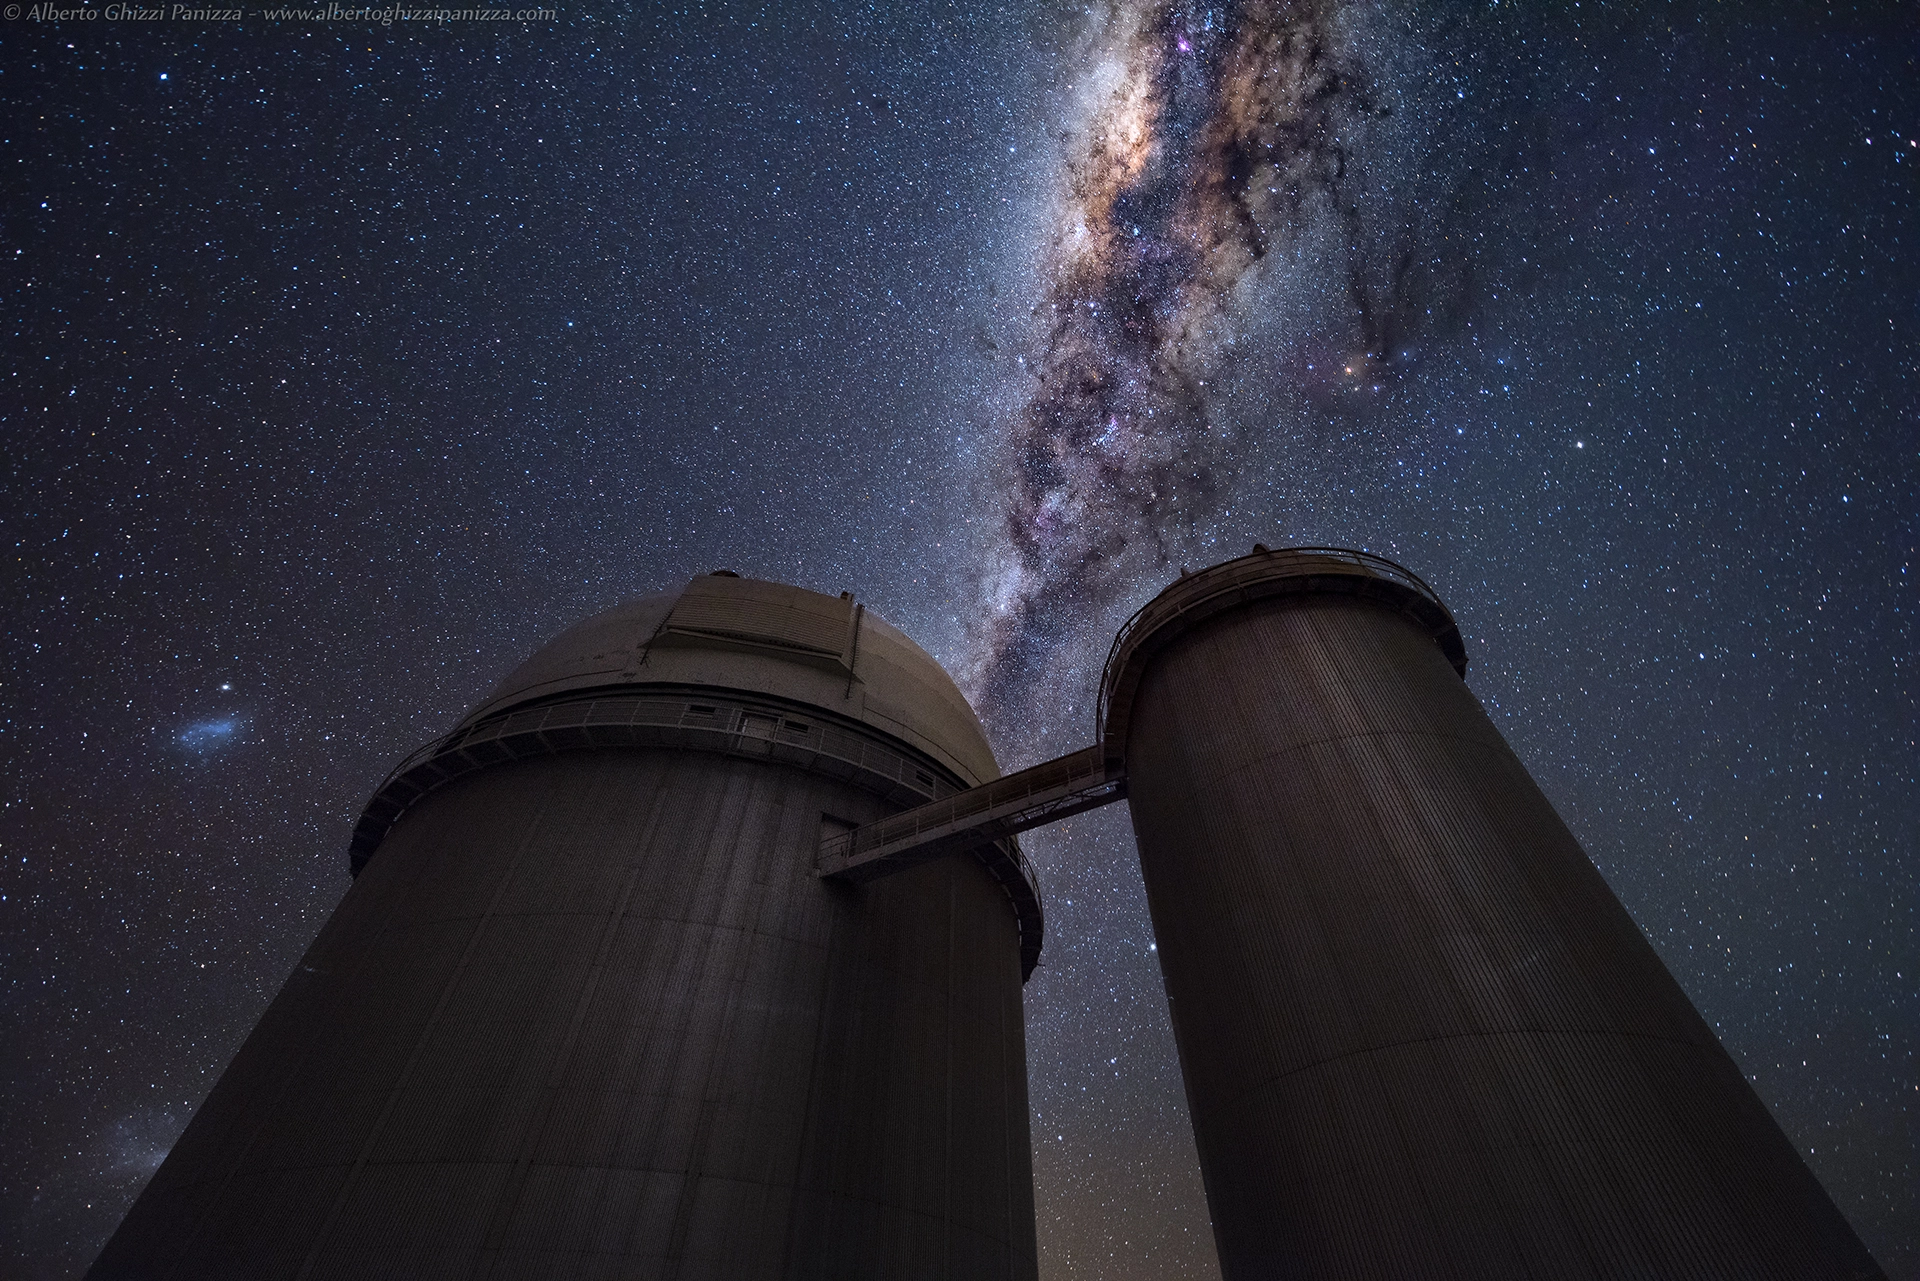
(1225, 128)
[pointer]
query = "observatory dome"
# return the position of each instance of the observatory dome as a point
(723, 632)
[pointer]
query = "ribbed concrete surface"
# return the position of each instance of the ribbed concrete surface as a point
(1420, 1036)
(594, 1016)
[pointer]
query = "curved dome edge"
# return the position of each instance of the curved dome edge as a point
(753, 636)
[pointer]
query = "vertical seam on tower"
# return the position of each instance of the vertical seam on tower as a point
(761, 946)
(1378, 821)
(1006, 1123)
(946, 1217)
(703, 1125)
(419, 1046)
(822, 1027)
(493, 1243)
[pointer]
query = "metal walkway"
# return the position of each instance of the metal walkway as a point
(1052, 790)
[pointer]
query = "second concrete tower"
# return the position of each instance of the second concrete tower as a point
(1420, 1036)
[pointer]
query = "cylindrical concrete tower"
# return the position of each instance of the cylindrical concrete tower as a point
(587, 1011)
(1420, 1036)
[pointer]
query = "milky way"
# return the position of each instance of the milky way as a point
(353, 363)
(1225, 128)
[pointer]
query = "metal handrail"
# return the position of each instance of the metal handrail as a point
(424, 752)
(664, 709)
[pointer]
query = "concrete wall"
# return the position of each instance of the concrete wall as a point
(592, 1015)
(1420, 1036)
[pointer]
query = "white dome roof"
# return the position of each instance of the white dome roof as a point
(726, 632)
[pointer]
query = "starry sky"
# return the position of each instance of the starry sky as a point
(348, 360)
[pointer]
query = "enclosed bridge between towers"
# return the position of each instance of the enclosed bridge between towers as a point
(1097, 775)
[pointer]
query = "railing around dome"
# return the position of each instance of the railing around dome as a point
(698, 720)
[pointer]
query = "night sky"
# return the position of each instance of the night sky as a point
(347, 362)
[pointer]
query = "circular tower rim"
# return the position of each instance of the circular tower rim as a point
(1263, 574)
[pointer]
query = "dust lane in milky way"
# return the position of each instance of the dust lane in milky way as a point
(1220, 131)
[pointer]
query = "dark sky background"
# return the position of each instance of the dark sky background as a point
(347, 362)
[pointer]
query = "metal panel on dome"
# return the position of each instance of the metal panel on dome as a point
(724, 631)
(765, 614)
